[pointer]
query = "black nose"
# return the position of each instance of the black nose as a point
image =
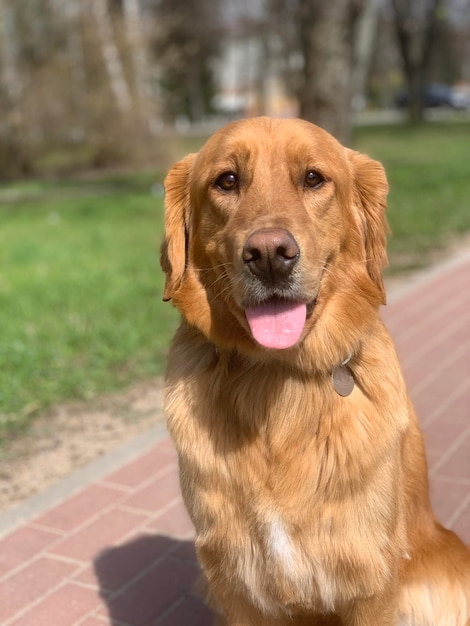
(271, 254)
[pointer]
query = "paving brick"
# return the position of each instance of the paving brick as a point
(441, 382)
(107, 530)
(450, 410)
(158, 494)
(425, 404)
(153, 594)
(400, 315)
(22, 545)
(461, 524)
(174, 521)
(87, 576)
(189, 611)
(433, 403)
(439, 436)
(186, 551)
(458, 464)
(141, 469)
(64, 607)
(168, 445)
(424, 360)
(458, 409)
(433, 330)
(30, 584)
(447, 497)
(75, 511)
(416, 309)
(117, 566)
(94, 621)
(433, 459)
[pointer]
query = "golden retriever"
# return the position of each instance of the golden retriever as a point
(301, 462)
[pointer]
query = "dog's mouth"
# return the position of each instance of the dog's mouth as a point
(277, 323)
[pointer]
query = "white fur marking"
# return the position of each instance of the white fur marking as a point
(302, 573)
(280, 546)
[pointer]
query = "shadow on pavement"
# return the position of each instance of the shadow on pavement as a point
(151, 581)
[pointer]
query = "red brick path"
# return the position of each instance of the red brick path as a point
(120, 551)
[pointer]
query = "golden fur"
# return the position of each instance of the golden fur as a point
(310, 508)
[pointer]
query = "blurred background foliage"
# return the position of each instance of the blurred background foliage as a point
(92, 83)
(99, 97)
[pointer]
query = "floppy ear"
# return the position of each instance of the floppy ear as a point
(177, 208)
(370, 189)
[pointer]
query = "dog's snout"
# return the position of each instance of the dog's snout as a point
(271, 253)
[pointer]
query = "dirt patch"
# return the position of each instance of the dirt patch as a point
(73, 434)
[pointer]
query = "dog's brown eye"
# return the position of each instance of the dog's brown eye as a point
(313, 179)
(228, 181)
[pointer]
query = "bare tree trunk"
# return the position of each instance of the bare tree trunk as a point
(328, 34)
(133, 22)
(72, 9)
(364, 47)
(111, 56)
(416, 24)
(195, 90)
(11, 77)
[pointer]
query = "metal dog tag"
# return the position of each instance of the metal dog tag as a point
(343, 380)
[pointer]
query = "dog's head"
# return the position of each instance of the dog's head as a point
(272, 227)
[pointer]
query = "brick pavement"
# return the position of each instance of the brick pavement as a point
(119, 550)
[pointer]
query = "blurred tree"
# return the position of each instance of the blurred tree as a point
(327, 36)
(136, 44)
(444, 64)
(365, 40)
(71, 74)
(111, 55)
(460, 35)
(11, 78)
(319, 41)
(22, 45)
(186, 43)
(416, 23)
(83, 81)
(75, 45)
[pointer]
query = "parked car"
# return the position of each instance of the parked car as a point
(437, 95)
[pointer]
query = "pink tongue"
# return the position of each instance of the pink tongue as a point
(277, 324)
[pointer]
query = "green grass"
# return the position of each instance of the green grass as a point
(428, 169)
(80, 285)
(80, 294)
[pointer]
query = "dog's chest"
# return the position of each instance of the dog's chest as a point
(272, 542)
(280, 570)
(240, 510)
(257, 489)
